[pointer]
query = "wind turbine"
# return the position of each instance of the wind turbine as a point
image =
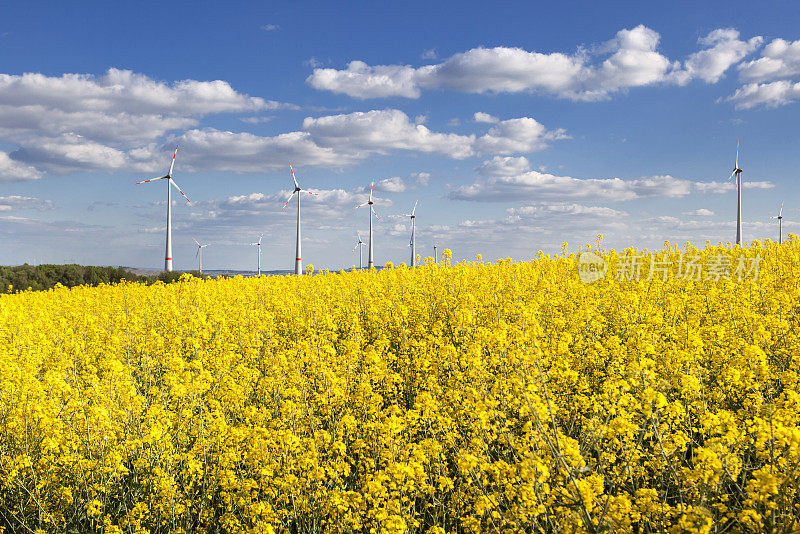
(738, 172)
(370, 263)
(435, 258)
(779, 217)
(412, 244)
(258, 244)
(360, 246)
(170, 181)
(199, 253)
(298, 261)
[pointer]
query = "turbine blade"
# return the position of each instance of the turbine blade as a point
(309, 192)
(355, 247)
(780, 213)
(288, 200)
(172, 181)
(732, 173)
(737, 154)
(293, 178)
(171, 165)
(415, 208)
(361, 205)
(370, 190)
(376, 214)
(196, 243)
(152, 179)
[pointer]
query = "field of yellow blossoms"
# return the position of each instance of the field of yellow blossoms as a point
(472, 397)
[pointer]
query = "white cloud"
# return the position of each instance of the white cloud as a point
(771, 78)
(780, 59)
(485, 117)
(269, 27)
(391, 185)
(724, 187)
(421, 178)
(537, 186)
(504, 166)
(360, 80)
(11, 170)
(16, 202)
(123, 91)
(429, 54)
(772, 94)
(255, 120)
(82, 122)
(573, 211)
(724, 50)
(383, 130)
(628, 60)
(517, 136)
(701, 212)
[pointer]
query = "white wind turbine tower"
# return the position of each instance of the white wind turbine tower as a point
(779, 217)
(738, 172)
(258, 244)
(199, 253)
(370, 262)
(298, 258)
(360, 246)
(170, 181)
(412, 244)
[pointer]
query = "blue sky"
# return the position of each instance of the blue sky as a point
(517, 126)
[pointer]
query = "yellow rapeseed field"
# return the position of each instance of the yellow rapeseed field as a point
(471, 397)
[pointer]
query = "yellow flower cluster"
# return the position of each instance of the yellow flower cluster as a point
(503, 397)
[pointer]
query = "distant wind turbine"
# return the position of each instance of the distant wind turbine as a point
(258, 244)
(434, 254)
(738, 172)
(370, 262)
(780, 218)
(360, 246)
(170, 181)
(412, 244)
(199, 253)
(298, 258)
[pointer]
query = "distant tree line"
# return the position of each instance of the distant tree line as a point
(41, 277)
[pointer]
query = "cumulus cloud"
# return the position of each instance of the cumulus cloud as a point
(723, 50)
(780, 59)
(11, 170)
(79, 121)
(333, 141)
(383, 130)
(724, 187)
(504, 166)
(630, 59)
(394, 184)
(771, 95)
(126, 91)
(770, 79)
(573, 210)
(537, 186)
(484, 117)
